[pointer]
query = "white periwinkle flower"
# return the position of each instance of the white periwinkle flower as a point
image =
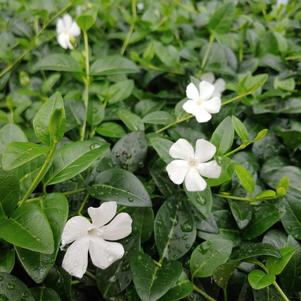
(202, 101)
(95, 238)
(191, 166)
(218, 84)
(66, 30)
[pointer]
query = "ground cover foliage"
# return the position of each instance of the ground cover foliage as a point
(94, 124)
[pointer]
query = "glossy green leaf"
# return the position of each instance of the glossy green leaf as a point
(259, 279)
(132, 121)
(158, 117)
(73, 158)
(111, 130)
(245, 178)
(58, 62)
(150, 280)
(10, 133)
(85, 21)
(7, 260)
(277, 265)
(161, 146)
(44, 294)
(209, 255)
(121, 186)
(120, 91)
(240, 129)
(174, 229)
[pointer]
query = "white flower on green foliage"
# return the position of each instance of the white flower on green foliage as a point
(219, 84)
(95, 238)
(191, 166)
(202, 101)
(66, 30)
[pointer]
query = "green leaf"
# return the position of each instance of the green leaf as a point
(174, 229)
(223, 273)
(264, 218)
(183, 288)
(266, 195)
(10, 133)
(19, 153)
(207, 256)
(223, 136)
(57, 125)
(73, 158)
(132, 121)
(12, 289)
(227, 166)
(130, 151)
(150, 280)
(240, 129)
(28, 228)
(121, 186)
(158, 117)
(222, 19)
(58, 62)
(10, 192)
(45, 294)
(7, 260)
(43, 120)
(112, 65)
(85, 21)
(245, 178)
(250, 250)
(37, 265)
(201, 200)
(111, 130)
(261, 135)
(161, 146)
(241, 212)
(250, 84)
(120, 91)
(259, 279)
(276, 265)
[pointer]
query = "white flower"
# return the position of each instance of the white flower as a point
(191, 166)
(66, 30)
(218, 84)
(201, 101)
(92, 238)
(140, 6)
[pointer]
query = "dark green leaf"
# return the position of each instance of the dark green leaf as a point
(7, 260)
(111, 129)
(45, 294)
(259, 279)
(132, 121)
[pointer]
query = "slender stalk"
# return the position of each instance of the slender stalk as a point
(86, 85)
(232, 152)
(92, 276)
(83, 204)
(174, 123)
(206, 56)
(40, 175)
(236, 98)
(27, 51)
(203, 293)
(132, 28)
(75, 191)
(233, 197)
(280, 291)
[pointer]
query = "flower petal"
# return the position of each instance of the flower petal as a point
(208, 77)
(103, 214)
(190, 106)
(67, 19)
(201, 114)
(213, 105)
(120, 227)
(194, 182)
(60, 26)
(177, 171)
(104, 253)
(75, 228)
(204, 150)
(75, 261)
(74, 30)
(206, 90)
(181, 149)
(210, 169)
(192, 92)
(64, 41)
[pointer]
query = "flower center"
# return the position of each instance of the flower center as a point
(199, 102)
(192, 162)
(92, 231)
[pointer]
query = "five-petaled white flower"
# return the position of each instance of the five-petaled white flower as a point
(92, 238)
(202, 101)
(218, 84)
(66, 30)
(191, 166)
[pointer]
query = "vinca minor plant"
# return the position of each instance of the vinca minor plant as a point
(150, 150)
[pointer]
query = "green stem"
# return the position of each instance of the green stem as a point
(206, 56)
(20, 58)
(174, 123)
(75, 191)
(242, 146)
(40, 175)
(83, 204)
(236, 98)
(92, 276)
(132, 28)
(233, 197)
(203, 293)
(86, 86)
(280, 291)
